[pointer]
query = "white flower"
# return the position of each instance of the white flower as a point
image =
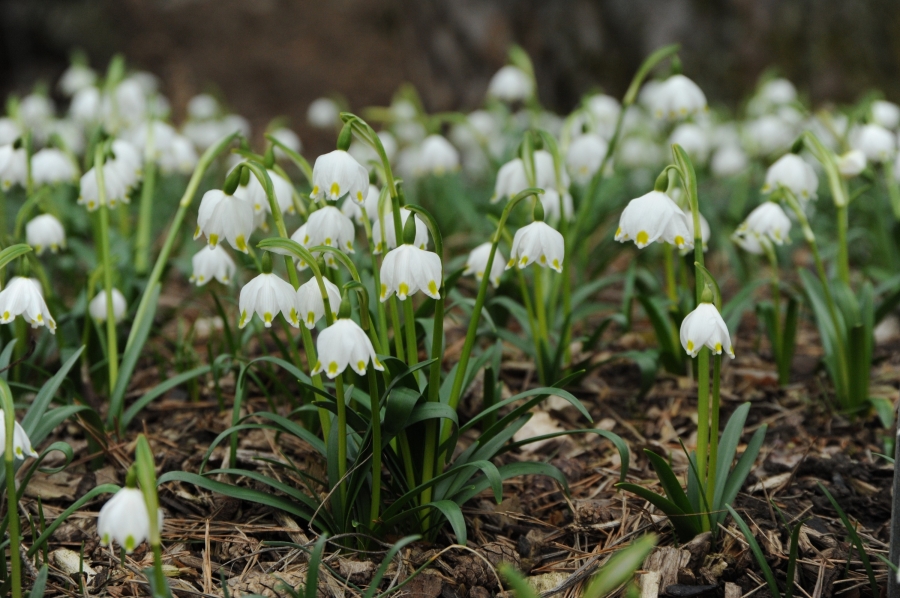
(13, 167)
(9, 130)
(511, 178)
(341, 344)
(767, 223)
(114, 186)
(223, 216)
(288, 138)
(477, 263)
(212, 262)
(85, 107)
(704, 326)
(366, 155)
(323, 113)
(310, 303)
(181, 157)
(36, 111)
(584, 157)
(654, 217)
(604, 111)
(267, 294)
(538, 243)
(772, 94)
(694, 141)
(678, 97)
(769, 134)
(639, 152)
(886, 114)
(21, 443)
(50, 166)
(437, 156)
(202, 134)
(408, 269)
(421, 240)
(255, 194)
(75, 78)
(550, 200)
(336, 174)
(510, 84)
(202, 107)
(351, 209)
(125, 519)
(97, 306)
(793, 172)
(876, 142)
(851, 163)
(22, 296)
(729, 160)
(328, 226)
(45, 231)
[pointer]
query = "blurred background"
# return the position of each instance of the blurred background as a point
(271, 58)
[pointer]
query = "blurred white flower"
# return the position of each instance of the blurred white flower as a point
(537, 243)
(550, 200)
(181, 157)
(584, 157)
(323, 113)
(437, 156)
(510, 84)
(126, 520)
(50, 166)
(767, 223)
(852, 163)
(876, 142)
(694, 141)
(769, 134)
(97, 306)
(13, 167)
(43, 232)
(75, 78)
(9, 131)
(729, 160)
(86, 106)
(202, 107)
(794, 173)
(886, 114)
(212, 262)
(254, 193)
(477, 263)
(678, 97)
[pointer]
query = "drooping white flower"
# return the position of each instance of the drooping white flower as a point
(323, 113)
(336, 174)
(344, 344)
(351, 209)
(97, 306)
(126, 520)
(876, 142)
(584, 157)
(310, 303)
(22, 296)
(769, 134)
(328, 226)
(678, 97)
(477, 263)
(45, 232)
(694, 141)
(729, 160)
(36, 111)
(886, 114)
(639, 152)
(705, 327)
(604, 111)
(538, 243)
(75, 78)
(212, 262)
(510, 180)
(255, 194)
(408, 269)
(511, 84)
(181, 156)
(13, 167)
(554, 205)
(115, 188)
(202, 107)
(50, 166)
(421, 240)
(86, 106)
(21, 443)
(852, 163)
(267, 295)
(288, 138)
(654, 217)
(366, 155)
(772, 94)
(223, 216)
(437, 156)
(794, 173)
(767, 223)
(10, 130)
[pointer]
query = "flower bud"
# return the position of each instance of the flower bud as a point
(345, 137)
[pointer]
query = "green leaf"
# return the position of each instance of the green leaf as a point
(620, 568)
(141, 330)
(5, 358)
(46, 394)
(854, 537)
(757, 552)
(159, 390)
(684, 523)
(670, 484)
(385, 563)
(739, 474)
(312, 573)
(40, 584)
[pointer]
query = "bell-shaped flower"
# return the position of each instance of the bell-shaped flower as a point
(851, 164)
(705, 327)
(10, 130)
(554, 205)
(538, 243)
(477, 263)
(421, 240)
(114, 187)
(323, 113)
(86, 105)
(223, 216)
(50, 166)
(408, 269)
(75, 78)
(336, 174)
(310, 303)
(22, 296)
(36, 111)
(212, 262)
(328, 226)
(21, 443)
(654, 217)
(437, 156)
(267, 295)
(729, 160)
(13, 167)
(45, 232)
(876, 142)
(181, 157)
(351, 209)
(510, 180)
(604, 111)
(767, 223)
(255, 193)
(584, 157)
(304, 239)
(886, 114)
(693, 139)
(511, 84)
(344, 344)
(202, 107)
(678, 97)
(794, 173)
(97, 306)
(126, 520)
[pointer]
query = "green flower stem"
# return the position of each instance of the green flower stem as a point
(714, 430)
(112, 351)
(409, 328)
(843, 257)
(532, 323)
(777, 342)
(671, 285)
(163, 258)
(890, 180)
(376, 447)
(145, 209)
(395, 323)
(540, 299)
(703, 424)
(341, 435)
(310, 349)
(266, 181)
(146, 473)
(12, 503)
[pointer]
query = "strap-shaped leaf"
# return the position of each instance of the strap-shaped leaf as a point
(684, 523)
(46, 394)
